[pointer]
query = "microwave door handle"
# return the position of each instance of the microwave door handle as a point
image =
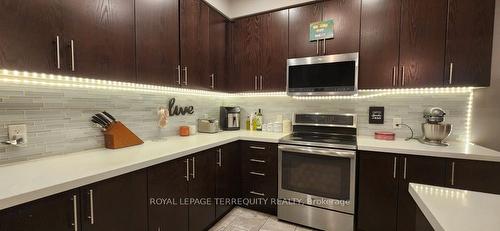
(318, 151)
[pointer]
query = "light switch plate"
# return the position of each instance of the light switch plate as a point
(18, 131)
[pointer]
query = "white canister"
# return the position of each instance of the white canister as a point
(277, 127)
(192, 129)
(287, 126)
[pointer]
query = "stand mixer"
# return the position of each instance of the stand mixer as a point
(434, 130)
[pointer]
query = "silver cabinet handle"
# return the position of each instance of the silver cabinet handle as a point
(219, 161)
(255, 83)
(178, 74)
(186, 76)
(450, 80)
(257, 174)
(91, 201)
(257, 147)
(258, 161)
(394, 76)
(453, 173)
(324, 46)
(159, 229)
(75, 213)
(395, 167)
(72, 46)
(317, 47)
(212, 79)
(403, 81)
(257, 193)
(194, 167)
(404, 173)
(261, 82)
(58, 52)
(187, 170)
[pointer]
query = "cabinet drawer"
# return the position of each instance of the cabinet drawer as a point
(259, 148)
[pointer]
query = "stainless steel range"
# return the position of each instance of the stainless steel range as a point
(317, 172)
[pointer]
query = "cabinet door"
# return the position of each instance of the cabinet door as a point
(246, 50)
(300, 19)
(218, 57)
(473, 175)
(228, 170)
(168, 180)
(29, 30)
(377, 191)
(379, 45)
(346, 17)
(53, 213)
(422, 42)
(103, 34)
(119, 203)
(157, 41)
(273, 50)
(469, 42)
(201, 187)
(194, 43)
(416, 169)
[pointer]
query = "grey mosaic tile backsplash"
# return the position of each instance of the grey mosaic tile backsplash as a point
(58, 119)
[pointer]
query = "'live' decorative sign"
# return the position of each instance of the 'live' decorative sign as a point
(176, 110)
(321, 30)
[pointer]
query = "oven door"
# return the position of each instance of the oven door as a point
(320, 177)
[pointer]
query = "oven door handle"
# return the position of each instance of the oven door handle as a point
(318, 151)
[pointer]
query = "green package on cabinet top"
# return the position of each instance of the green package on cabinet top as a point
(321, 30)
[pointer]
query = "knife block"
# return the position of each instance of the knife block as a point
(118, 135)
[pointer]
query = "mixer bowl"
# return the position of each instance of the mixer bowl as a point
(436, 132)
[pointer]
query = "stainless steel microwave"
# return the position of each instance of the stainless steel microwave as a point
(323, 75)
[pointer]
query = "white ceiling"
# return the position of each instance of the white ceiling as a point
(239, 8)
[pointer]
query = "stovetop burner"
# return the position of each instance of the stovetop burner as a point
(323, 130)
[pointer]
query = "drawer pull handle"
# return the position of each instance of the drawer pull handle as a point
(75, 213)
(258, 148)
(91, 200)
(257, 173)
(258, 194)
(258, 161)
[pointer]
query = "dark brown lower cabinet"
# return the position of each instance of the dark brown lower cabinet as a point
(480, 176)
(259, 175)
(54, 213)
(377, 192)
(202, 187)
(167, 186)
(416, 169)
(119, 203)
(228, 177)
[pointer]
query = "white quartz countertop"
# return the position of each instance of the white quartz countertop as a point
(457, 210)
(457, 150)
(30, 180)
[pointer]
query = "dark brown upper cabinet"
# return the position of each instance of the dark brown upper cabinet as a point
(30, 30)
(260, 46)
(469, 42)
(157, 42)
(55, 212)
(218, 54)
(273, 51)
(246, 36)
(99, 39)
(422, 43)
(379, 44)
(119, 203)
(300, 19)
(346, 16)
(195, 51)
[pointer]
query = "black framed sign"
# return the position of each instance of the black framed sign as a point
(376, 115)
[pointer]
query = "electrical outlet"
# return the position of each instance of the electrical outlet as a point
(395, 122)
(17, 132)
